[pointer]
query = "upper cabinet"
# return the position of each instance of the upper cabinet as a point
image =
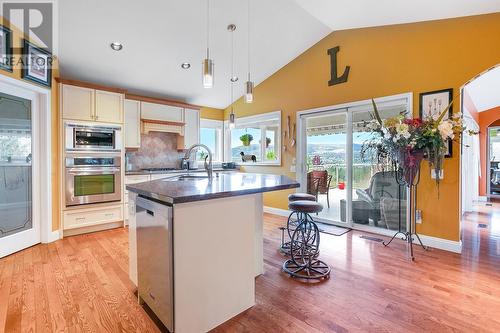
(191, 127)
(77, 102)
(132, 123)
(108, 107)
(80, 103)
(161, 112)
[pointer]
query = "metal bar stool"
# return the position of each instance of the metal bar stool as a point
(304, 244)
(291, 224)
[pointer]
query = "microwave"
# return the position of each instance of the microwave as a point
(92, 137)
(92, 179)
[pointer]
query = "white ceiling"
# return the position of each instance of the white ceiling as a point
(485, 90)
(159, 35)
(348, 14)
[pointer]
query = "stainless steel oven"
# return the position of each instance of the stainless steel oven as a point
(92, 137)
(93, 179)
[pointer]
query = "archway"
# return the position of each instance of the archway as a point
(481, 110)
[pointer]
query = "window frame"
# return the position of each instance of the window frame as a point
(263, 121)
(218, 125)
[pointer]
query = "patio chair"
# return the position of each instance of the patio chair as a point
(318, 182)
(382, 185)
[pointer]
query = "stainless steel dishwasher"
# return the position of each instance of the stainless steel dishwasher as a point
(155, 258)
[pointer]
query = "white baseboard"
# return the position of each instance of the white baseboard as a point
(276, 211)
(434, 242)
(442, 244)
(53, 236)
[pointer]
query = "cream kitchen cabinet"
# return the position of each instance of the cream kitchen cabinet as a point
(77, 103)
(108, 107)
(132, 116)
(191, 127)
(80, 103)
(132, 179)
(162, 112)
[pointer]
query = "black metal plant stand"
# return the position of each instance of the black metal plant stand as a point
(410, 179)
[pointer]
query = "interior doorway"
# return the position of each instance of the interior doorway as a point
(355, 191)
(480, 154)
(25, 166)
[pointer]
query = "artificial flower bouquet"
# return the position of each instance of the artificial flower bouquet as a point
(406, 141)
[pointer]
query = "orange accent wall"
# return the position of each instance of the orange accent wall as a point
(388, 60)
(486, 119)
(211, 113)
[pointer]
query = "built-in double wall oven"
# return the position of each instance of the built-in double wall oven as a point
(92, 164)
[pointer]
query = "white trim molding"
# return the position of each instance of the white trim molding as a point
(434, 242)
(42, 117)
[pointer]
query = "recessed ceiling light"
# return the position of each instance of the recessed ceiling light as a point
(234, 79)
(117, 46)
(186, 65)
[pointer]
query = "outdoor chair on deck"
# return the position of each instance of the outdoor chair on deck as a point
(318, 182)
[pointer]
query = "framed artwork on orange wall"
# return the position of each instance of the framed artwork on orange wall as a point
(432, 103)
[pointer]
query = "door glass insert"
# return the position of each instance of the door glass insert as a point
(378, 200)
(326, 163)
(94, 184)
(15, 165)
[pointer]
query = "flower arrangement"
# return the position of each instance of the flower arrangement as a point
(316, 160)
(406, 141)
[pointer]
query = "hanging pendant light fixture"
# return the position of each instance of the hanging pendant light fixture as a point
(232, 117)
(208, 64)
(249, 83)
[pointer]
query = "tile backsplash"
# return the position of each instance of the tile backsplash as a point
(158, 150)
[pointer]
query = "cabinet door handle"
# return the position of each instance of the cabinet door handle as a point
(80, 218)
(96, 117)
(109, 214)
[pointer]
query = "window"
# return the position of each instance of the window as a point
(257, 136)
(211, 136)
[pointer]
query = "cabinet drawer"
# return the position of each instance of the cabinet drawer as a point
(92, 216)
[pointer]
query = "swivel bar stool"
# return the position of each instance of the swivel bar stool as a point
(291, 224)
(304, 244)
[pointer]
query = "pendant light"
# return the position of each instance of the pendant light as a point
(232, 118)
(208, 64)
(249, 83)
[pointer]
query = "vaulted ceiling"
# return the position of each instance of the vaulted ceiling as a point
(159, 35)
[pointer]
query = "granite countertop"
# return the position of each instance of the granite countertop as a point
(145, 172)
(172, 190)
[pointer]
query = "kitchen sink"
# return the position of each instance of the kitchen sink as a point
(185, 178)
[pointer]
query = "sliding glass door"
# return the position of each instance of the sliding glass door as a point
(326, 161)
(355, 190)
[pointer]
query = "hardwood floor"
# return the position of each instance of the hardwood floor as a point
(81, 284)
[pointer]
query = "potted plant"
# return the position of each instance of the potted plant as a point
(246, 139)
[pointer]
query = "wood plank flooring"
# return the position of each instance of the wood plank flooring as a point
(80, 284)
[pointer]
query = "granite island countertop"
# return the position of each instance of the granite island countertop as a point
(172, 190)
(175, 171)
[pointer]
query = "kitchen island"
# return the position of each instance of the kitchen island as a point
(200, 245)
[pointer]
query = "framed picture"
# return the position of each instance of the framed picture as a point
(5, 48)
(37, 64)
(432, 104)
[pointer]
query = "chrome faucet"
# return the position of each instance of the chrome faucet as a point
(208, 166)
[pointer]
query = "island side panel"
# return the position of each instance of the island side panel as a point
(259, 235)
(214, 260)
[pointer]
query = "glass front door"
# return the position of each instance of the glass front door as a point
(16, 160)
